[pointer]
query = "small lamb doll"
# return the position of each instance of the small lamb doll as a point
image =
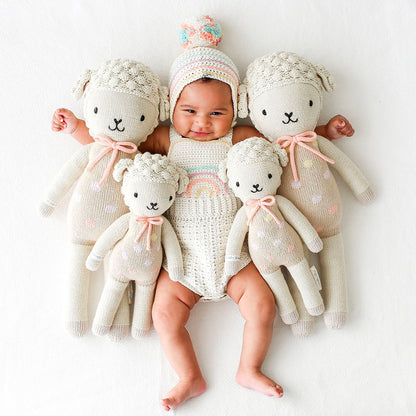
(254, 169)
(149, 187)
(282, 93)
(123, 104)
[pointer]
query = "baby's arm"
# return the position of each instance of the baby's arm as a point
(299, 222)
(68, 174)
(336, 128)
(235, 242)
(65, 121)
(173, 251)
(349, 171)
(115, 232)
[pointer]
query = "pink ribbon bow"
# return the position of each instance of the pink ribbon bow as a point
(264, 203)
(148, 223)
(300, 139)
(115, 147)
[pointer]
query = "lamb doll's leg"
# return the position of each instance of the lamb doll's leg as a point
(107, 307)
(76, 311)
(121, 323)
(334, 281)
(303, 277)
(142, 312)
(283, 298)
(304, 326)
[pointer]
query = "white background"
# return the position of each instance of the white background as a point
(367, 368)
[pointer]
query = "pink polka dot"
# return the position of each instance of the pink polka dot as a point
(269, 257)
(290, 248)
(90, 222)
(319, 229)
(333, 209)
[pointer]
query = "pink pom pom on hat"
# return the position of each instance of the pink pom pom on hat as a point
(200, 36)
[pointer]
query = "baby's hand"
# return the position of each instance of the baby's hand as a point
(64, 121)
(338, 127)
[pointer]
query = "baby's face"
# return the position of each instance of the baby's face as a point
(204, 110)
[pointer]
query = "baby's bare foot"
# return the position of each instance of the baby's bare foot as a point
(256, 380)
(183, 391)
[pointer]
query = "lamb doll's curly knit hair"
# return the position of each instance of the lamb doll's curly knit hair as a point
(253, 151)
(152, 168)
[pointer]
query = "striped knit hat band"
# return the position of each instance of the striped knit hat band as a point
(201, 61)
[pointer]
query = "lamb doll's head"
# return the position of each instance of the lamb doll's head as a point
(282, 93)
(150, 183)
(123, 100)
(253, 168)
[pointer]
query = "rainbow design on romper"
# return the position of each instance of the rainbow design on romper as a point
(204, 182)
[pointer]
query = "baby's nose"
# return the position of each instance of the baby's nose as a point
(202, 120)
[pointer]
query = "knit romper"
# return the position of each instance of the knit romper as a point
(202, 216)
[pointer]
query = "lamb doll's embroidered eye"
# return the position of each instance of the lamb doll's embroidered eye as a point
(95, 110)
(237, 184)
(269, 175)
(310, 103)
(142, 118)
(264, 112)
(136, 194)
(170, 198)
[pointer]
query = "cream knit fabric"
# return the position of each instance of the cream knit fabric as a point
(202, 216)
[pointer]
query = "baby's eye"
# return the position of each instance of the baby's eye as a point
(136, 194)
(216, 113)
(310, 103)
(237, 184)
(264, 112)
(170, 198)
(270, 175)
(190, 111)
(95, 110)
(142, 117)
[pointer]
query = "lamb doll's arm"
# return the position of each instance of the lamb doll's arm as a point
(352, 175)
(172, 250)
(115, 232)
(300, 223)
(235, 242)
(66, 177)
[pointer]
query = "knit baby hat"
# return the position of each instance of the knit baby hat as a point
(127, 76)
(279, 69)
(200, 36)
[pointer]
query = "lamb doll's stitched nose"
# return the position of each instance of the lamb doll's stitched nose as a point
(289, 114)
(256, 186)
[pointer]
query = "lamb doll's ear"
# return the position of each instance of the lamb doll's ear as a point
(242, 100)
(183, 180)
(163, 103)
(79, 87)
(222, 170)
(328, 82)
(120, 167)
(281, 154)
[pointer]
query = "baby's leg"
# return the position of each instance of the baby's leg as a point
(171, 309)
(257, 306)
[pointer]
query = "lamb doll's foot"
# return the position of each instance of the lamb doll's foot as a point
(118, 332)
(335, 320)
(77, 328)
(256, 380)
(302, 328)
(183, 391)
(100, 330)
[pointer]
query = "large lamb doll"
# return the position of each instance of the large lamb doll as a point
(282, 93)
(123, 104)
